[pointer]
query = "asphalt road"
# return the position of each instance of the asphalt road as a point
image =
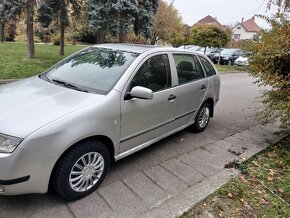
(235, 112)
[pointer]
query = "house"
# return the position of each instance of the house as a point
(246, 30)
(209, 20)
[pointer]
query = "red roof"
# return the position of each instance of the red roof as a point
(251, 26)
(209, 19)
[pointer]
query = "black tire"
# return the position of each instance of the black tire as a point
(198, 126)
(65, 165)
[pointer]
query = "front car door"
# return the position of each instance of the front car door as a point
(146, 120)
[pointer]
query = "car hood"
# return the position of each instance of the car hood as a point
(30, 104)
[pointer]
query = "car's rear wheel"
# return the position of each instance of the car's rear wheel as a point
(81, 170)
(202, 118)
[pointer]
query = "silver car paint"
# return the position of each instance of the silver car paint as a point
(62, 117)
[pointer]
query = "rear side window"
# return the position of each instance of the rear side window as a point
(188, 68)
(207, 66)
(154, 74)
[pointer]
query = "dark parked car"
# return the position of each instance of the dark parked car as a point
(210, 52)
(228, 56)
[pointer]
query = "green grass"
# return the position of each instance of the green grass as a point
(226, 68)
(263, 189)
(14, 63)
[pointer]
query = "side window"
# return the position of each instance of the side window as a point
(154, 74)
(207, 67)
(188, 68)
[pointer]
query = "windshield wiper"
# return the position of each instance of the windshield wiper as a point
(44, 76)
(68, 85)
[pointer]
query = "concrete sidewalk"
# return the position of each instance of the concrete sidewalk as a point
(172, 187)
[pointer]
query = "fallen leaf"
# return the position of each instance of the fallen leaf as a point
(272, 172)
(270, 179)
(230, 195)
(263, 201)
(281, 190)
(182, 139)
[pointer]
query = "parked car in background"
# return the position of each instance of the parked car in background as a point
(209, 52)
(190, 47)
(242, 61)
(64, 127)
(228, 56)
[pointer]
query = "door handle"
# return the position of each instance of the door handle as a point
(203, 87)
(171, 97)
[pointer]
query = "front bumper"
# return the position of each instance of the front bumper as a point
(24, 171)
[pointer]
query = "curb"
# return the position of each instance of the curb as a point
(3, 82)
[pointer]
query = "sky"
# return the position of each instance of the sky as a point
(227, 12)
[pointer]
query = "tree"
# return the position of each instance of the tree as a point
(119, 16)
(58, 11)
(30, 5)
(8, 11)
(209, 35)
(270, 63)
(168, 25)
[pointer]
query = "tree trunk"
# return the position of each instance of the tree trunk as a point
(101, 36)
(2, 27)
(61, 45)
(122, 35)
(29, 23)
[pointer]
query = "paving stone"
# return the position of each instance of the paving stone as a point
(122, 200)
(165, 179)
(204, 161)
(57, 211)
(183, 171)
(220, 152)
(238, 142)
(250, 136)
(224, 144)
(92, 206)
(146, 189)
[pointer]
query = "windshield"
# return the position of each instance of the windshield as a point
(228, 51)
(94, 69)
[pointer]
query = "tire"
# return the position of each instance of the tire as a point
(86, 163)
(202, 118)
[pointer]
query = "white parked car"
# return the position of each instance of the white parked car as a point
(242, 61)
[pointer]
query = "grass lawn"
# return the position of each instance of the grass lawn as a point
(15, 64)
(263, 189)
(226, 68)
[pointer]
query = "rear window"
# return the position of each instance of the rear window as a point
(209, 70)
(188, 68)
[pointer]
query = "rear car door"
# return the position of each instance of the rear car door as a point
(191, 89)
(144, 120)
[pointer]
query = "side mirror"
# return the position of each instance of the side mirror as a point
(141, 93)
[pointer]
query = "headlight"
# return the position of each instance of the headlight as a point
(8, 143)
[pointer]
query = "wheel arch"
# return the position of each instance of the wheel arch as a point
(211, 103)
(101, 138)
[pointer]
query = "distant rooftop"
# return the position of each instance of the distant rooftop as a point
(209, 20)
(251, 26)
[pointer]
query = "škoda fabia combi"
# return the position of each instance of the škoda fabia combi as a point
(64, 127)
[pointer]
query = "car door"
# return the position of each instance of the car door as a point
(191, 89)
(145, 120)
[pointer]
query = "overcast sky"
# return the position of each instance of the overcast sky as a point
(226, 11)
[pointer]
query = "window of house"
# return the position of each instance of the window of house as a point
(238, 27)
(188, 68)
(237, 36)
(154, 74)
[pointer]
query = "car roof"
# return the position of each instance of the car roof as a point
(136, 48)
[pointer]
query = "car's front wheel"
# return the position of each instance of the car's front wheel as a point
(81, 170)
(202, 118)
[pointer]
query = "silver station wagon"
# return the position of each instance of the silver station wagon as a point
(64, 127)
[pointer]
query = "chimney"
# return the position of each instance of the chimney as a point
(242, 20)
(253, 18)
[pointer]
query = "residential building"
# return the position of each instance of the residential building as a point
(209, 20)
(246, 30)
